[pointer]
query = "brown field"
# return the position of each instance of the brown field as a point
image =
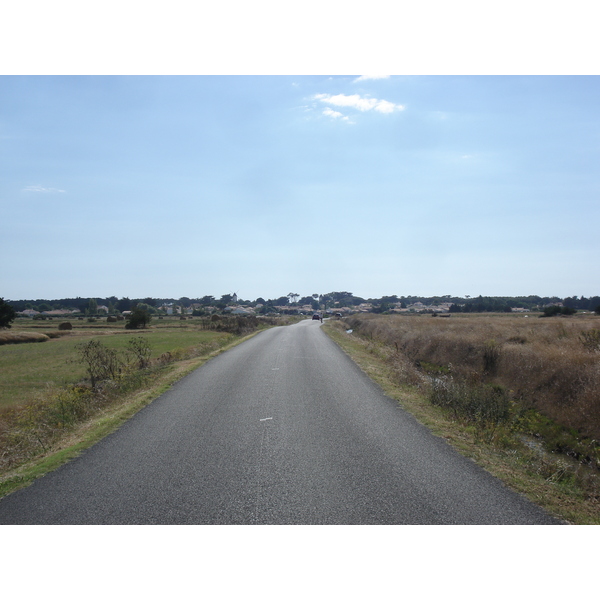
(549, 364)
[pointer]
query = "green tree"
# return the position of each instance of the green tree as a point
(139, 318)
(148, 308)
(7, 314)
(551, 311)
(124, 304)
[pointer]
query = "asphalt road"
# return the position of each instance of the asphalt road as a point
(282, 429)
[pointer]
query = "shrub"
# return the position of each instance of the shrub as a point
(491, 355)
(551, 311)
(101, 363)
(140, 349)
(65, 326)
(590, 340)
(483, 405)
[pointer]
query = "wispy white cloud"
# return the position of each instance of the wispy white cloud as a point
(334, 114)
(359, 103)
(44, 190)
(366, 77)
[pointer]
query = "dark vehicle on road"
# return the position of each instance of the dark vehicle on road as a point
(316, 317)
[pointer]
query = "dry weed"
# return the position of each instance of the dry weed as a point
(544, 363)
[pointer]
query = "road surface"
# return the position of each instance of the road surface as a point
(282, 429)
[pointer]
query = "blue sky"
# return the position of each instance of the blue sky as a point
(170, 186)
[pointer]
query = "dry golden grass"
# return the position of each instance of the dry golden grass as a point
(21, 337)
(543, 363)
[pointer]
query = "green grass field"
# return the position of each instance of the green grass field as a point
(27, 369)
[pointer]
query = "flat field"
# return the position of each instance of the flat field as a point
(551, 364)
(28, 369)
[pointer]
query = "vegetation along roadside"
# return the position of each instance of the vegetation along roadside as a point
(61, 396)
(517, 395)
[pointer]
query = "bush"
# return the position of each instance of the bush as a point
(591, 340)
(101, 363)
(139, 348)
(107, 364)
(551, 311)
(483, 405)
(65, 326)
(491, 356)
(28, 430)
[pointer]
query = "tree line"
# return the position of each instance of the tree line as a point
(315, 301)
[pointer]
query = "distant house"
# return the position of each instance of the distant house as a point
(168, 308)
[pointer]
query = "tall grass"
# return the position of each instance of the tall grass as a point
(31, 429)
(21, 337)
(551, 366)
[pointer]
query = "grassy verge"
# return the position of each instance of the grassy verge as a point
(558, 484)
(65, 445)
